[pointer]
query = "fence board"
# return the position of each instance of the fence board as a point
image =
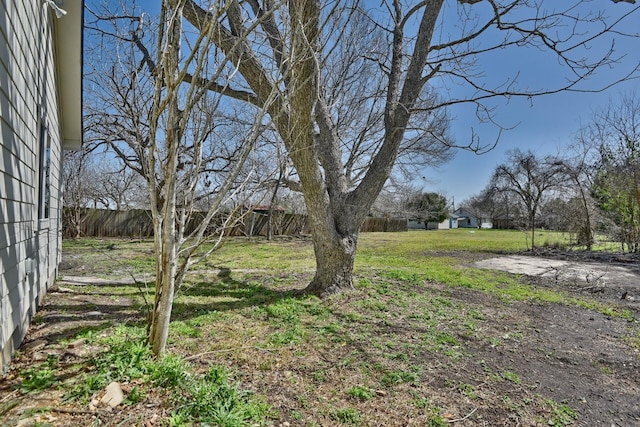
(137, 223)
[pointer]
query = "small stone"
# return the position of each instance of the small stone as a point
(113, 396)
(381, 392)
(46, 419)
(152, 421)
(93, 405)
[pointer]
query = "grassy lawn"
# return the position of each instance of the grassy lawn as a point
(245, 350)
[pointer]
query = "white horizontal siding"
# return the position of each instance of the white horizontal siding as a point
(29, 247)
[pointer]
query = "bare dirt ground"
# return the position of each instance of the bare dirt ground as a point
(580, 345)
(613, 277)
(576, 356)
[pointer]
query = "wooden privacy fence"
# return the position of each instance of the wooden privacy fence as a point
(106, 223)
(137, 223)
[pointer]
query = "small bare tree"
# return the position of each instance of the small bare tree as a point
(77, 181)
(529, 178)
(579, 166)
(145, 106)
(503, 208)
(118, 187)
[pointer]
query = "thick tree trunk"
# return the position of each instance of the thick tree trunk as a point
(532, 221)
(336, 209)
(335, 256)
(586, 236)
(335, 238)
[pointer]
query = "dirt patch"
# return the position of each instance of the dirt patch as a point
(611, 279)
(576, 355)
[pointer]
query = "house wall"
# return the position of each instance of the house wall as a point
(30, 235)
(467, 222)
(419, 225)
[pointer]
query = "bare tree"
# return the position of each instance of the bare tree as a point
(579, 166)
(292, 47)
(118, 187)
(77, 180)
(393, 198)
(503, 208)
(145, 109)
(530, 179)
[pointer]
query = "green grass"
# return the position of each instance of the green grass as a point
(409, 257)
(392, 378)
(511, 376)
(209, 397)
(40, 377)
(561, 414)
(468, 390)
(289, 255)
(348, 416)
(361, 393)
(375, 249)
(391, 342)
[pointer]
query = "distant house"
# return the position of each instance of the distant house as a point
(40, 115)
(467, 219)
(444, 225)
(449, 223)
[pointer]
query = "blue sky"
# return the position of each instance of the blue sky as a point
(546, 127)
(546, 124)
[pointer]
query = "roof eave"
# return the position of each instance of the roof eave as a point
(69, 69)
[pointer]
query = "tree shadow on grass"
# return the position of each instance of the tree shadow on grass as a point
(225, 294)
(65, 315)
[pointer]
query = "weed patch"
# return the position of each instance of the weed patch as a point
(561, 414)
(361, 393)
(204, 398)
(347, 416)
(39, 378)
